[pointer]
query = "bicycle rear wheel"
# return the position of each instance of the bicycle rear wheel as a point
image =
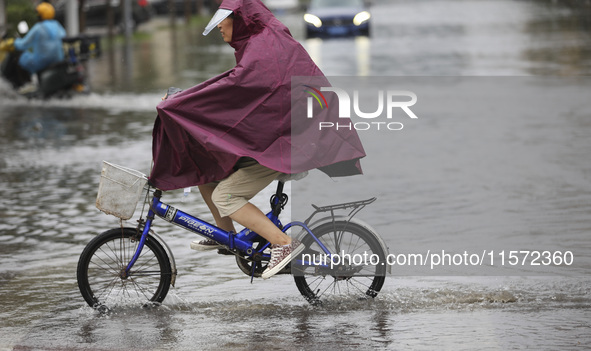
(102, 264)
(359, 271)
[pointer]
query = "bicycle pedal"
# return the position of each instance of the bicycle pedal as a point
(224, 252)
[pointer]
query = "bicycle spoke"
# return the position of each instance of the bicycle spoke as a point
(114, 257)
(111, 285)
(351, 283)
(110, 267)
(319, 281)
(344, 275)
(331, 284)
(144, 263)
(141, 289)
(145, 273)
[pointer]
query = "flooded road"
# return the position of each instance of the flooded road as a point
(481, 179)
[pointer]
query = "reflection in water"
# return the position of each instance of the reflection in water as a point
(562, 33)
(161, 57)
(141, 328)
(363, 54)
(128, 58)
(111, 69)
(383, 326)
(355, 59)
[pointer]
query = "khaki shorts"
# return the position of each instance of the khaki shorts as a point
(238, 188)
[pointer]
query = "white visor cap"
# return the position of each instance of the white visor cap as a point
(217, 18)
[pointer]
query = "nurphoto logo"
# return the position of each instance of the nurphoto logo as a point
(388, 101)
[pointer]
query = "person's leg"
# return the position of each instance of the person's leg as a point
(224, 223)
(27, 62)
(283, 249)
(232, 197)
(254, 219)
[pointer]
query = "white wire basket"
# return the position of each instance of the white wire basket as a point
(119, 190)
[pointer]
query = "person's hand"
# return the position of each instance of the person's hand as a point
(171, 91)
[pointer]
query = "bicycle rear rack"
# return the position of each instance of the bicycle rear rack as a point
(356, 206)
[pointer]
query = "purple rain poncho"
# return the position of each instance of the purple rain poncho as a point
(200, 133)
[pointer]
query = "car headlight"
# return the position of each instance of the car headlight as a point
(361, 17)
(313, 20)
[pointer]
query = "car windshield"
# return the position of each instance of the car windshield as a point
(336, 3)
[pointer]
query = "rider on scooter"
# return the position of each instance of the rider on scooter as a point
(42, 46)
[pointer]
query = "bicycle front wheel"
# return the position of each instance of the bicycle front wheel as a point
(357, 270)
(101, 270)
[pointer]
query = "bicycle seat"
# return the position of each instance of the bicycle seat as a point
(296, 176)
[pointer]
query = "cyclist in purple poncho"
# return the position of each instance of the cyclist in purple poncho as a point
(232, 135)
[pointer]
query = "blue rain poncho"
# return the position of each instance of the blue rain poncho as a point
(42, 46)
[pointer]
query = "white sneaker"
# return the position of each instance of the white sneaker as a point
(280, 256)
(206, 245)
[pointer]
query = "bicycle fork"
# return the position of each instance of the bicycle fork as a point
(142, 242)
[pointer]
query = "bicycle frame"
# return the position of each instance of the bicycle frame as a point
(240, 242)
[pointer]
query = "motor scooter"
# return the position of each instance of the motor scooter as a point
(62, 79)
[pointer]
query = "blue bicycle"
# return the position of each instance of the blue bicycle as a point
(343, 255)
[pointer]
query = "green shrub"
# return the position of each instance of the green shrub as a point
(16, 11)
